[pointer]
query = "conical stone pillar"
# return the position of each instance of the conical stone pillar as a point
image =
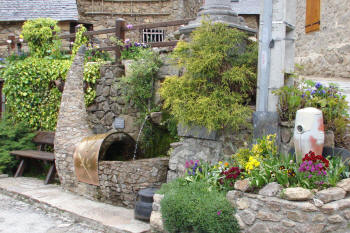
(217, 11)
(72, 125)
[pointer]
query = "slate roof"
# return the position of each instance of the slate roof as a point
(247, 7)
(21, 10)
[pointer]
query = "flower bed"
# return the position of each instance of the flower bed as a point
(273, 192)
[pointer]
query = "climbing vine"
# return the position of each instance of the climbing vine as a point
(31, 93)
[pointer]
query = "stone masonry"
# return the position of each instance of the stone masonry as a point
(110, 101)
(211, 147)
(135, 12)
(325, 52)
(72, 125)
(293, 210)
(120, 181)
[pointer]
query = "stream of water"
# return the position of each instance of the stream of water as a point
(138, 137)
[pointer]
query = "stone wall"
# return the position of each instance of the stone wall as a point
(72, 125)
(120, 181)
(325, 211)
(198, 144)
(325, 52)
(135, 12)
(110, 102)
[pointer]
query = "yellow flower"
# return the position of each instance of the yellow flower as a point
(20, 36)
(220, 162)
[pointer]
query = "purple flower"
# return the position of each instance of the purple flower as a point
(319, 173)
(129, 26)
(324, 173)
(193, 173)
(312, 168)
(303, 95)
(318, 85)
(191, 162)
(219, 213)
(323, 92)
(127, 41)
(313, 92)
(310, 176)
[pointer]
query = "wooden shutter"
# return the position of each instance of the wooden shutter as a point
(313, 15)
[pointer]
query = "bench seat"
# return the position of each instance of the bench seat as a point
(35, 154)
(41, 139)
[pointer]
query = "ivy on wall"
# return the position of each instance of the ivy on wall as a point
(31, 94)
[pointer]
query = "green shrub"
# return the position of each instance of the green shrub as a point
(139, 85)
(13, 137)
(195, 207)
(30, 94)
(219, 78)
(42, 36)
(139, 88)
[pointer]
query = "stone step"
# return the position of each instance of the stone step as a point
(52, 197)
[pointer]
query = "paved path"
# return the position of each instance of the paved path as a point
(20, 217)
(54, 199)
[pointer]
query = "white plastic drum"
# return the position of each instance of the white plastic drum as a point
(308, 132)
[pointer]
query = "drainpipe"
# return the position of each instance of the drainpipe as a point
(264, 122)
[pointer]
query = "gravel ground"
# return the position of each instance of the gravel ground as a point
(20, 217)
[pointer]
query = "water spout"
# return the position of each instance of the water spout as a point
(138, 136)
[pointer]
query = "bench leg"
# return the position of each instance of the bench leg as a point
(20, 168)
(51, 173)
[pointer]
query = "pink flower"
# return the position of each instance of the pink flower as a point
(219, 212)
(187, 165)
(129, 26)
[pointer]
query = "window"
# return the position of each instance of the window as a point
(152, 35)
(313, 15)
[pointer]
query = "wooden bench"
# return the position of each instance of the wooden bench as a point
(41, 139)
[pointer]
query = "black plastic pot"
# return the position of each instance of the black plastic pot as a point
(143, 206)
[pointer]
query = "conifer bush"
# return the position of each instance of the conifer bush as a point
(219, 80)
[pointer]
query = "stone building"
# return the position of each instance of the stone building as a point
(103, 13)
(14, 12)
(322, 46)
(325, 49)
